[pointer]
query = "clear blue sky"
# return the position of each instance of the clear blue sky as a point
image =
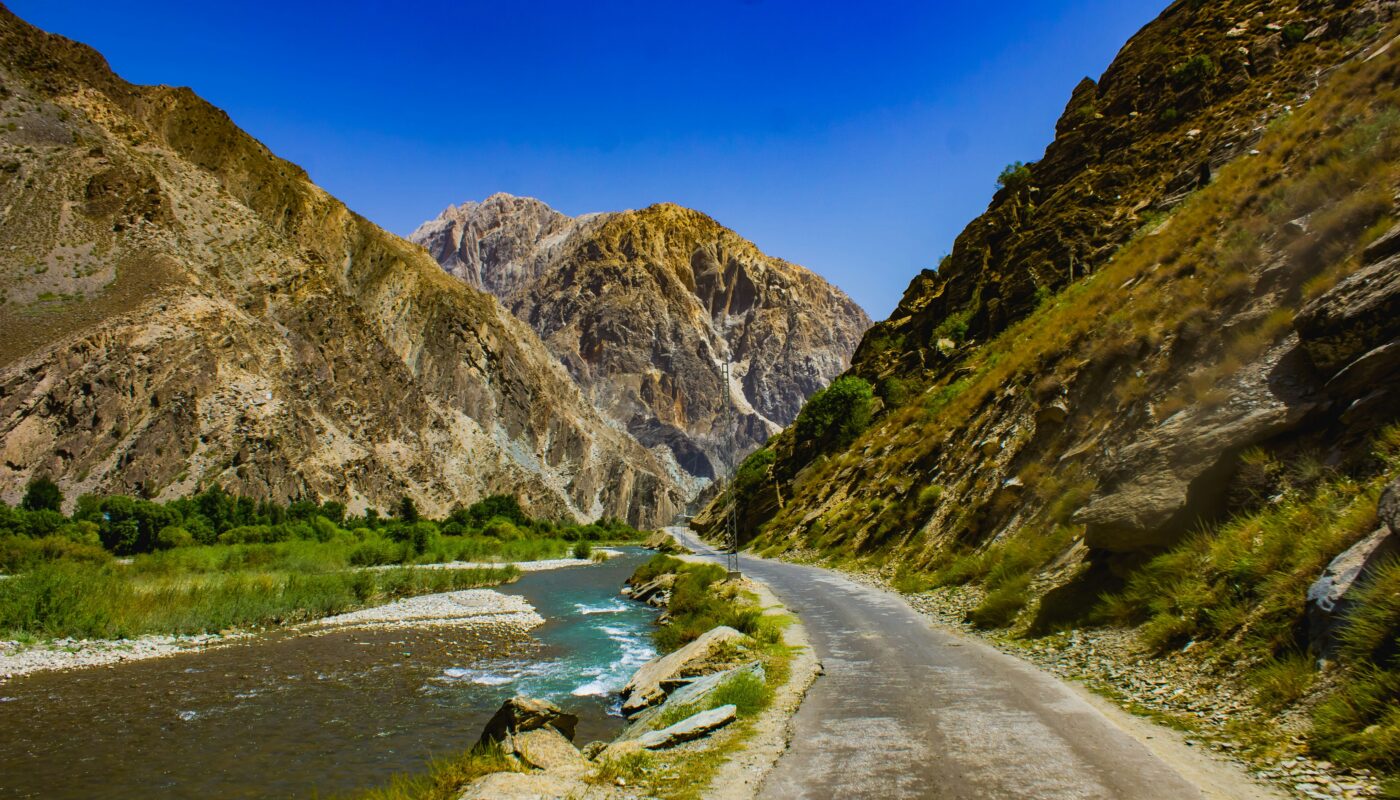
(854, 138)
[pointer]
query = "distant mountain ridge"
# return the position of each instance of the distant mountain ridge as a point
(644, 307)
(181, 307)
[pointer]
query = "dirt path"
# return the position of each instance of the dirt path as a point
(905, 709)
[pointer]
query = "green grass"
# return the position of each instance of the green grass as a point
(1249, 573)
(1282, 681)
(699, 604)
(84, 600)
(445, 777)
(1359, 722)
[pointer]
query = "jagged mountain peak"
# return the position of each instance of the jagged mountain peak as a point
(645, 306)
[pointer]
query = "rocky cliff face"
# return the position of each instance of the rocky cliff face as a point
(644, 307)
(181, 307)
(1223, 196)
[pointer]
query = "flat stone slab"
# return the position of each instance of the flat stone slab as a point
(690, 728)
(647, 686)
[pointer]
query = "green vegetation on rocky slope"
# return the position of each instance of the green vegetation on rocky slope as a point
(1180, 440)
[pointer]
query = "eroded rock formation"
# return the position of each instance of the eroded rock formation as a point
(644, 307)
(181, 307)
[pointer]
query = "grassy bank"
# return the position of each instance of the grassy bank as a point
(121, 567)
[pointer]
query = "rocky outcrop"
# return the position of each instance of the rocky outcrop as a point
(688, 729)
(650, 684)
(522, 714)
(1330, 597)
(1186, 95)
(182, 308)
(644, 308)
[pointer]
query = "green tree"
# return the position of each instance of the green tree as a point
(42, 495)
(832, 418)
(408, 510)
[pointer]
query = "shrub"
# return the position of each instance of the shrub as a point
(42, 494)
(171, 537)
(1014, 176)
(582, 550)
(1000, 607)
(1195, 69)
(833, 417)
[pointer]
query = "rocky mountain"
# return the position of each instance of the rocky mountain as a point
(1156, 385)
(181, 307)
(644, 307)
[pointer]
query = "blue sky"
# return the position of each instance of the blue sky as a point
(856, 139)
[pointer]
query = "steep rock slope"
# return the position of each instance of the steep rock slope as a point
(643, 307)
(182, 307)
(1194, 441)
(1165, 366)
(1192, 91)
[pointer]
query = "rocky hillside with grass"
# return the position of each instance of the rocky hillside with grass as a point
(1154, 390)
(180, 308)
(645, 307)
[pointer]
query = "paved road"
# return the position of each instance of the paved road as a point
(904, 709)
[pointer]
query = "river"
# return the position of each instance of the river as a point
(282, 715)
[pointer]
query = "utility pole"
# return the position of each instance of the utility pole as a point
(731, 558)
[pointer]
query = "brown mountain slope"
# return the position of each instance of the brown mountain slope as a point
(1193, 90)
(643, 307)
(181, 307)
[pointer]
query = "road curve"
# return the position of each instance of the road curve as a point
(904, 709)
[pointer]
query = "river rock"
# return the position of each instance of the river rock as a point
(695, 727)
(648, 590)
(1329, 596)
(521, 714)
(523, 786)
(695, 693)
(646, 686)
(547, 749)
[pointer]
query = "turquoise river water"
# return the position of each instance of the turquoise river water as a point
(300, 716)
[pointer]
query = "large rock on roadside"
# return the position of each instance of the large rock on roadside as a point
(1329, 598)
(523, 786)
(696, 693)
(650, 684)
(695, 727)
(520, 714)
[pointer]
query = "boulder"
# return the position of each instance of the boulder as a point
(1052, 413)
(523, 786)
(547, 749)
(695, 727)
(1388, 509)
(646, 591)
(1384, 247)
(647, 686)
(695, 693)
(1163, 483)
(1329, 596)
(520, 714)
(1358, 314)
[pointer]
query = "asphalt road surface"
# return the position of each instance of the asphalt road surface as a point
(904, 709)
